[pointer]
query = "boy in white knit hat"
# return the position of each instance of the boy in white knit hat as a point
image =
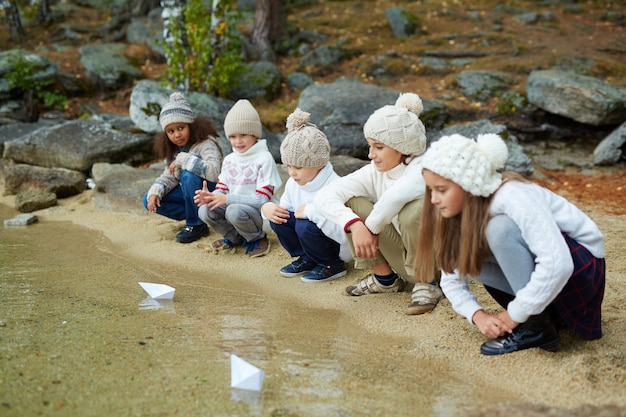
(536, 254)
(188, 145)
(248, 179)
(379, 205)
(321, 246)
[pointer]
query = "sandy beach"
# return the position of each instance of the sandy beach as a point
(580, 376)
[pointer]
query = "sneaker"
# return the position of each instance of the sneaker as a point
(323, 273)
(225, 244)
(424, 298)
(297, 267)
(539, 331)
(190, 234)
(370, 285)
(258, 247)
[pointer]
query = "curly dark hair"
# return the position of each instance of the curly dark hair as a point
(200, 130)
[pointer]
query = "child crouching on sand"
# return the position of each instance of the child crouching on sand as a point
(320, 245)
(537, 255)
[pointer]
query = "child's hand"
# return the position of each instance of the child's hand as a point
(491, 326)
(215, 200)
(299, 214)
(172, 167)
(153, 202)
(275, 213)
(365, 243)
(201, 196)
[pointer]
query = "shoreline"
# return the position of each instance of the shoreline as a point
(581, 373)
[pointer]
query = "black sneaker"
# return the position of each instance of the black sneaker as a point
(538, 331)
(190, 234)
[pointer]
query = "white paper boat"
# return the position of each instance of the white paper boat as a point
(158, 291)
(244, 375)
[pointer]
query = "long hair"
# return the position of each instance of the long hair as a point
(200, 130)
(459, 242)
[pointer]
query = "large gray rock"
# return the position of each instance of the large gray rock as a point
(610, 149)
(482, 85)
(106, 66)
(340, 109)
(44, 68)
(60, 181)
(78, 144)
(581, 98)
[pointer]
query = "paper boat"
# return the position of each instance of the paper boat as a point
(158, 291)
(244, 375)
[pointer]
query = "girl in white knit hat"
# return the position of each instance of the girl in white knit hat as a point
(320, 246)
(537, 255)
(379, 205)
(188, 145)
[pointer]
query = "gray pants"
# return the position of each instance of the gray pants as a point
(234, 221)
(512, 263)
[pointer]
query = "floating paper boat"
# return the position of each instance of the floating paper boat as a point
(158, 291)
(244, 375)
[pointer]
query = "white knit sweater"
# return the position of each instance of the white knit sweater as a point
(389, 191)
(541, 216)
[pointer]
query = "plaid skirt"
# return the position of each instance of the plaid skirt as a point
(579, 303)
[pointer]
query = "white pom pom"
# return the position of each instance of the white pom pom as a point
(177, 96)
(297, 120)
(494, 148)
(410, 101)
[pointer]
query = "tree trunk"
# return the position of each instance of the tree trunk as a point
(269, 21)
(43, 12)
(16, 31)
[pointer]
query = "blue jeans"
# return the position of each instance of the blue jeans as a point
(302, 237)
(178, 204)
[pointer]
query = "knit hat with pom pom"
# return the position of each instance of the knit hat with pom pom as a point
(305, 145)
(177, 110)
(399, 126)
(473, 165)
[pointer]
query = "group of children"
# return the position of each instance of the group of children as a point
(433, 216)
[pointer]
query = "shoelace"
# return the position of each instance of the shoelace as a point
(252, 246)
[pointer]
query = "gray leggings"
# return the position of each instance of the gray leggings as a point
(234, 220)
(512, 263)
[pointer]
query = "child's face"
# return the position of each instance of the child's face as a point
(384, 157)
(303, 175)
(242, 142)
(446, 195)
(178, 133)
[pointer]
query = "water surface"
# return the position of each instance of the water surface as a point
(80, 337)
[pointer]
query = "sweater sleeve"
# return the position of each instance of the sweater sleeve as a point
(330, 202)
(457, 291)
(204, 160)
(165, 183)
(410, 186)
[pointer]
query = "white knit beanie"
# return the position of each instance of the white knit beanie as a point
(473, 165)
(399, 126)
(243, 119)
(177, 110)
(305, 145)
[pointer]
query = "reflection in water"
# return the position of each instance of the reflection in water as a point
(150, 303)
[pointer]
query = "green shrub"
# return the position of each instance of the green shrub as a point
(202, 56)
(23, 76)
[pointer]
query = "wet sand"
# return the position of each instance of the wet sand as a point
(323, 353)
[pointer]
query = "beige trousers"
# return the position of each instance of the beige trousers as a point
(397, 249)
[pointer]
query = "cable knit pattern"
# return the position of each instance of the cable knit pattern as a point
(473, 165)
(305, 145)
(399, 126)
